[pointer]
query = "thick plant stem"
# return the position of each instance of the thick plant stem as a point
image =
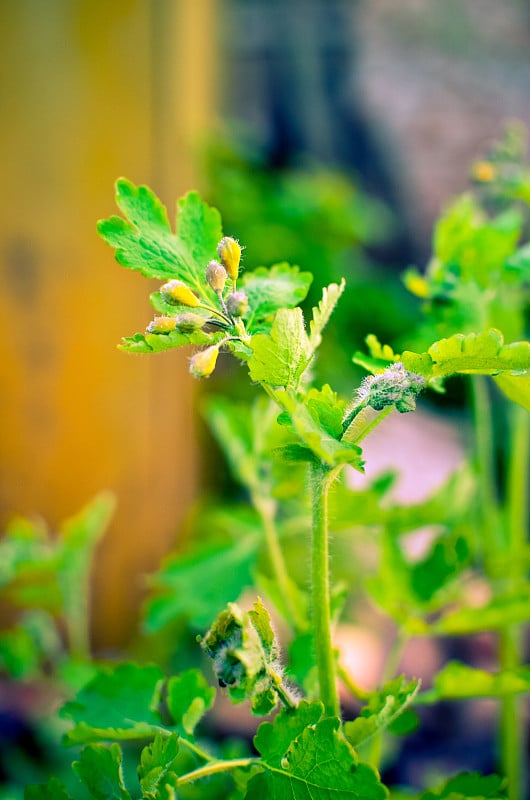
(513, 732)
(322, 477)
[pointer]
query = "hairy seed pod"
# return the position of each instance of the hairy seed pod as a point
(237, 304)
(230, 254)
(162, 325)
(203, 363)
(189, 322)
(178, 294)
(216, 276)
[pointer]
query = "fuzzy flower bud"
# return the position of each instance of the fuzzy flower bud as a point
(237, 304)
(178, 294)
(230, 254)
(216, 276)
(162, 325)
(393, 387)
(189, 322)
(203, 363)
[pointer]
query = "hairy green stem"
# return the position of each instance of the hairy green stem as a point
(214, 767)
(322, 477)
(513, 730)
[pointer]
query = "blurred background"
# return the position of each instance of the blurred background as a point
(330, 133)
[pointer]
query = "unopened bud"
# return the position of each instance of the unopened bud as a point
(189, 322)
(216, 276)
(162, 325)
(230, 254)
(237, 304)
(203, 363)
(178, 294)
(395, 386)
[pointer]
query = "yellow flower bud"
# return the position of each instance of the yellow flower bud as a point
(189, 322)
(178, 294)
(216, 276)
(162, 325)
(203, 363)
(230, 254)
(484, 172)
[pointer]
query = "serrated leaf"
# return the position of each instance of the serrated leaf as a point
(383, 707)
(157, 764)
(312, 434)
(159, 342)
(322, 312)
(483, 353)
(327, 409)
(144, 240)
(116, 704)
(457, 680)
(279, 358)
(319, 764)
(54, 789)
(469, 786)
(100, 769)
(272, 739)
(228, 570)
(268, 290)
(188, 699)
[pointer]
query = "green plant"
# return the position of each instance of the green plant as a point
(297, 434)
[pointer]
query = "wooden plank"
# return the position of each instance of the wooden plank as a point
(81, 104)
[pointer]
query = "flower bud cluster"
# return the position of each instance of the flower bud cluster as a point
(393, 387)
(227, 315)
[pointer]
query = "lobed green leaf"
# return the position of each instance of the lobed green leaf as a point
(158, 765)
(269, 290)
(279, 358)
(383, 708)
(459, 681)
(100, 769)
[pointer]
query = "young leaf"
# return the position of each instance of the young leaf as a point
(116, 704)
(157, 764)
(188, 698)
(54, 789)
(279, 358)
(469, 786)
(100, 769)
(145, 242)
(244, 651)
(384, 706)
(322, 312)
(318, 764)
(457, 680)
(314, 435)
(268, 290)
(158, 342)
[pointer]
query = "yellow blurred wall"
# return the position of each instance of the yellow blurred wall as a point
(91, 90)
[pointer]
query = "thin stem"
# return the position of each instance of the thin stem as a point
(217, 313)
(266, 510)
(491, 538)
(214, 767)
(513, 730)
(351, 684)
(389, 672)
(322, 478)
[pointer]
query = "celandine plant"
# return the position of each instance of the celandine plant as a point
(308, 750)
